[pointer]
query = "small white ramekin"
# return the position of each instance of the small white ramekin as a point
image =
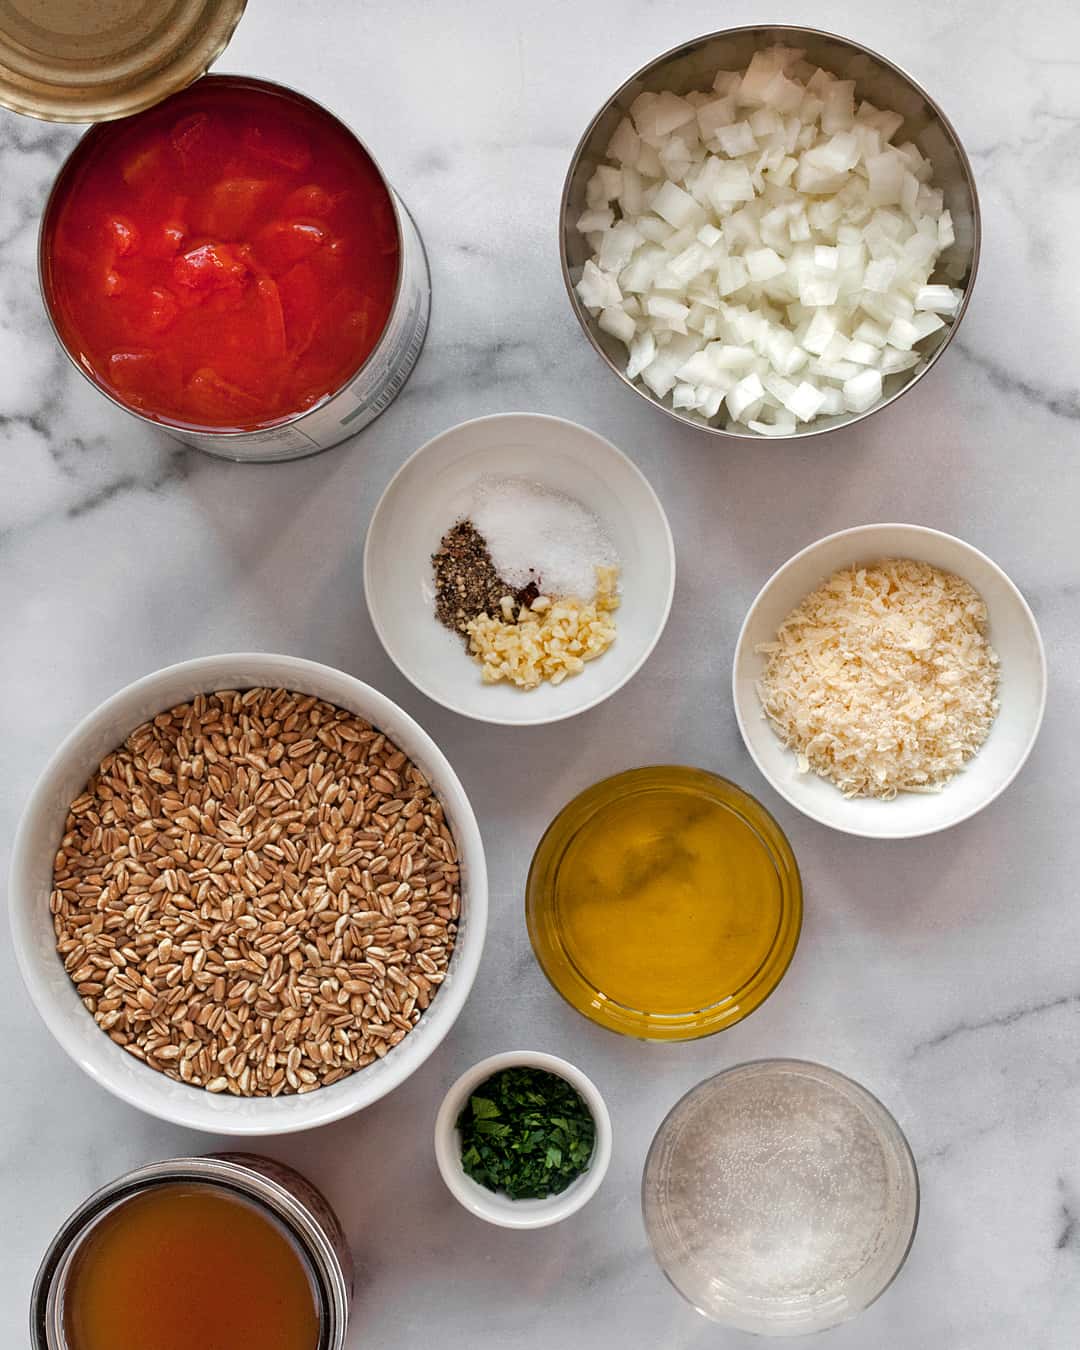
(493, 1206)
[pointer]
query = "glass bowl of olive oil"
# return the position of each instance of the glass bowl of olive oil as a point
(664, 903)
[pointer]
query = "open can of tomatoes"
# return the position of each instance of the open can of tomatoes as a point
(231, 265)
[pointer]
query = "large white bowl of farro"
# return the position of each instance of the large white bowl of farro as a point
(248, 894)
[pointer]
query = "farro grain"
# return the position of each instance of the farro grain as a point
(256, 893)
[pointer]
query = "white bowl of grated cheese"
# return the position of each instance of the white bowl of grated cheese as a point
(1011, 631)
(485, 471)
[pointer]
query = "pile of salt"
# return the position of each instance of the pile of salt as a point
(535, 534)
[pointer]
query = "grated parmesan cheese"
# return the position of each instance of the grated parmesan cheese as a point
(883, 680)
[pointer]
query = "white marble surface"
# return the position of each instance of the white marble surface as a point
(941, 973)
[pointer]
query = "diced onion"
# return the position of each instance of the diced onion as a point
(763, 250)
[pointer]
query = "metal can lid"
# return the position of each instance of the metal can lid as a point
(67, 61)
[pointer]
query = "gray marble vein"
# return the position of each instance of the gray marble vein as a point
(1064, 403)
(1067, 1238)
(1005, 1019)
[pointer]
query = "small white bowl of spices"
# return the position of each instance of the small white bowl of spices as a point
(889, 681)
(523, 1139)
(519, 569)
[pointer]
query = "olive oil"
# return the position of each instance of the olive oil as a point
(189, 1267)
(664, 903)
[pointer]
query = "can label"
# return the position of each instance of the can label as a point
(371, 390)
(308, 1195)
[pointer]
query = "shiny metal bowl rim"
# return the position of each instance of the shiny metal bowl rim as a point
(788, 31)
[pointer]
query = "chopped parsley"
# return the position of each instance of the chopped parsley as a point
(526, 1132)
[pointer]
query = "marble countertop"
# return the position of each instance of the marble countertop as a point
(942, 973)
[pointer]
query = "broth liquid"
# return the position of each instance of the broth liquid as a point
(189, 1267)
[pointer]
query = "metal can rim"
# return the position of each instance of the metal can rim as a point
(59, 116)
(212, 1170)
(222, 433)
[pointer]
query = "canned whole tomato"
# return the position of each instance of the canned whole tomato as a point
(232, 266)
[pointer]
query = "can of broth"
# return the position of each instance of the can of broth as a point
(228, 276)
(299, 1228)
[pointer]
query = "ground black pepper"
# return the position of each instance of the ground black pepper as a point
(466, 582)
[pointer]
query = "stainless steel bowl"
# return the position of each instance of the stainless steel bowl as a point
(693, 66)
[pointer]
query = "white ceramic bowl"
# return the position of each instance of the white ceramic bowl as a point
(431, 490)
(493, 1206)
(31, 872)
(1013, 633)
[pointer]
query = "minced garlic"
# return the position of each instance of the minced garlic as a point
(548, 639)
